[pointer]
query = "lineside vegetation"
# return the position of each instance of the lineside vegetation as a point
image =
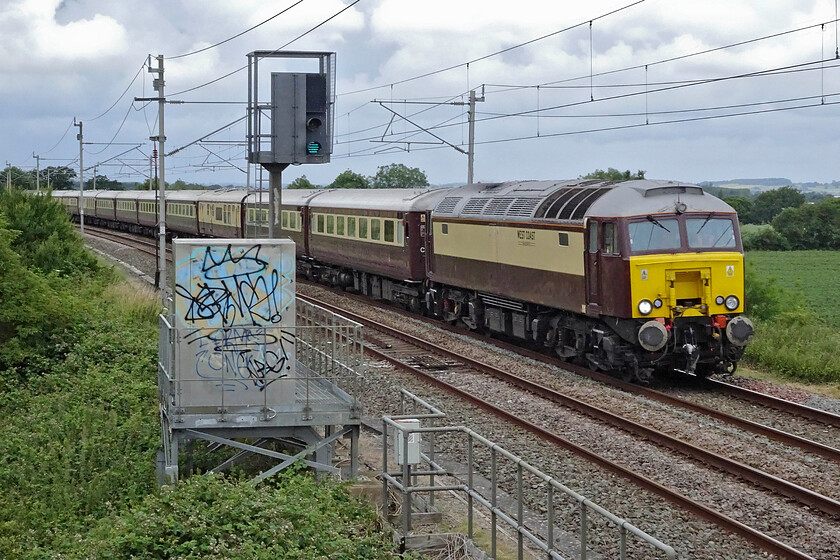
(78, 395)
(792, 298)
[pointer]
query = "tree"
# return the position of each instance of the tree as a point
(350, 180)
(612, 174)
(811, 226)
(301, 183)
(150, 184)
(103, 183)
(769, 204)
(743, 206)
(59, 178)
(18, 178)
(398, 176)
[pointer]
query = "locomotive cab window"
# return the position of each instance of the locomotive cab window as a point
(593, 237)
(710, 233)
(610, 245)
(654, 234)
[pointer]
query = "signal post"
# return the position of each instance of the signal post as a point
(295, 126)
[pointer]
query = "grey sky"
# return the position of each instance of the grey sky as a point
(74, 58)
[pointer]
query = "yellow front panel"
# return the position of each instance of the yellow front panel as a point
(687, 276)
(516, 246)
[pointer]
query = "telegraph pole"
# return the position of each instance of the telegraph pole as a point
(37, 173)
(8, 175)
(81, 179)
(471, 150)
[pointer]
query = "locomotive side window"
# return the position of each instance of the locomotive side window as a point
(654, 235)
(708, 233)
(593, 237)
(610, 246)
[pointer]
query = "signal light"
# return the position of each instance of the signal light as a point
(313, 147)
(313, 124)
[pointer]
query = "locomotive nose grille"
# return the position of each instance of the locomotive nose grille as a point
(689, 289)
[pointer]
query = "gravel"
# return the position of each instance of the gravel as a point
(787, 521)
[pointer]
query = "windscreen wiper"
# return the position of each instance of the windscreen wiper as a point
(652, 219)
(704, 223)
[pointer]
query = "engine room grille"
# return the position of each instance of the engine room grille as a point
(499, 206)
(523, 206)
(448, 204)
(570, 203)
(475, 206)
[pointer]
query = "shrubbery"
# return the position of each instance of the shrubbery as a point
(78, 394)
(293, 517)
(790, 339)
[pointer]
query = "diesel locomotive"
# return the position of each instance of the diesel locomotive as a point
(630, 278)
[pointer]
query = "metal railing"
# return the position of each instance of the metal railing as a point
(406, 481)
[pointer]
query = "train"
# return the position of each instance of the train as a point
(634, 278)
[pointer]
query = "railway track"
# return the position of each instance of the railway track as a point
(431, 367)
(428, 360)
(135, 242)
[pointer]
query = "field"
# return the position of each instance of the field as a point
(812, 275)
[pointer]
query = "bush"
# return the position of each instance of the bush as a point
(213, 518)
(798, 347)
(47, 241)
(33, 317)
(765, 239)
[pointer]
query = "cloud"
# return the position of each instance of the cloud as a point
(33, 39)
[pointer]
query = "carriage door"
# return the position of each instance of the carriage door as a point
(426, 241)
(593, 270)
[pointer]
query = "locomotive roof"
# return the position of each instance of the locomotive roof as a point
(640, 198)
(572, 201)
(398, 200)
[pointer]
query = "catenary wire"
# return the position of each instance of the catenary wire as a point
(503, 51)
(220, 78)
(237, 35)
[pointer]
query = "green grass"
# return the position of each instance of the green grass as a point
(812, 276)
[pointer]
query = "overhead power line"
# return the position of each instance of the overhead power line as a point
(278, 49)
(497, 53)
(281, 12)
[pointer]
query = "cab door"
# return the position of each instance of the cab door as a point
(593, 268)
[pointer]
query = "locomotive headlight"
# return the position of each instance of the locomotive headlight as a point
(719, 300)
(645, 307)
(732, 303)
(657, 303)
